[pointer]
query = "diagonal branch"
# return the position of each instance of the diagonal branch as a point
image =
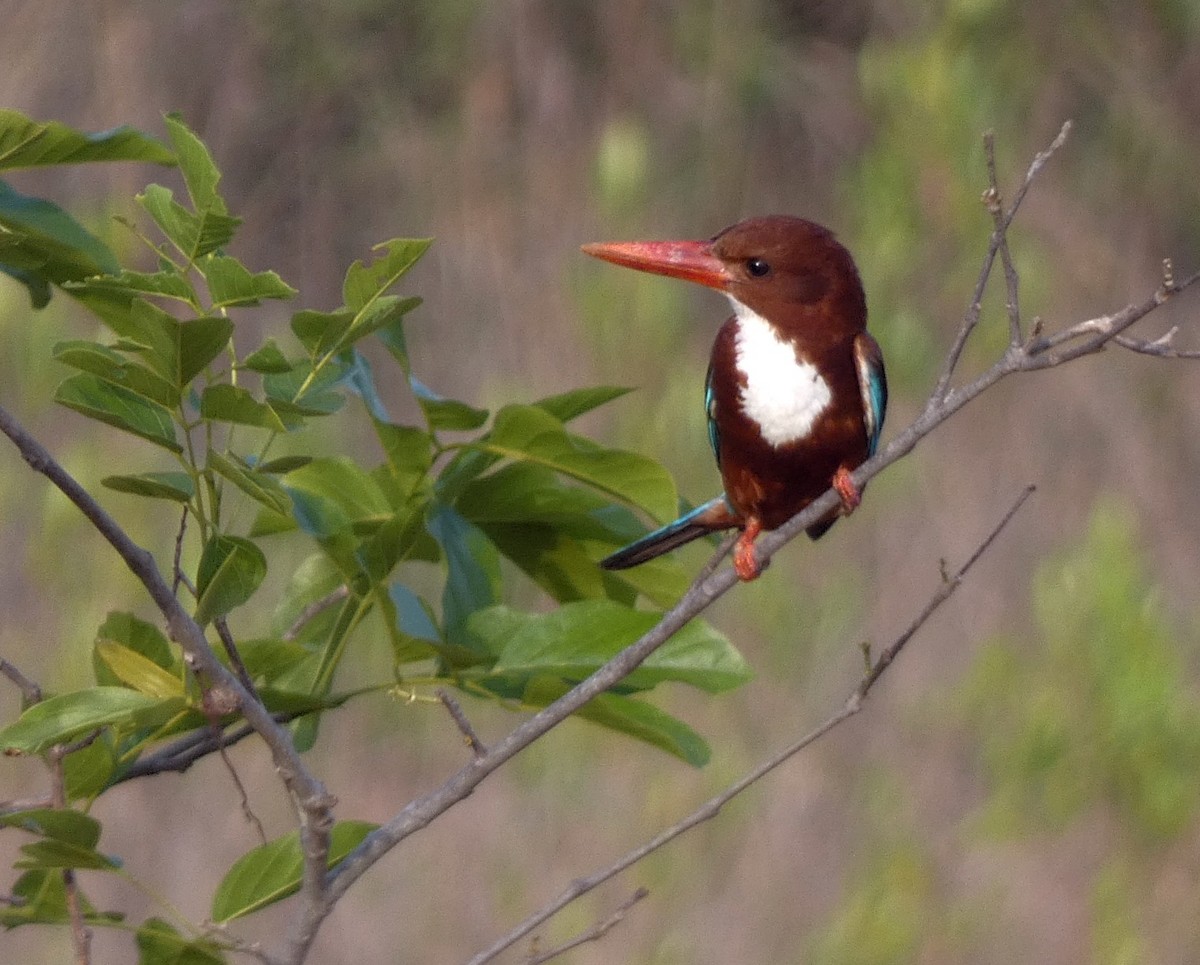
(944, 401)
(712, 807)
(312, 801)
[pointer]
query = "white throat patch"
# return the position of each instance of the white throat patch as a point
(783, 394)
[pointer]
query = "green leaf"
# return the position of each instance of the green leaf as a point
(298, 392)
(62, 854)
(473, 569)
(118, 407)
(141, 637)
(232, 403)
(138, 672)
(577, 638)
(87, 771)
(446, 413)
(570, 405)
(60, 718)
(267, 358)
(26, 143)
(629, 716)
(62, 824)
(231, 569)
(111, 366)
(532, 434)
(365, 283)
(199, 172)
(274, 870)
(175, 486)
(197, 343)
(409, 453)
(194, 235)
(41, 897)
(231, 283)
(262, 488)
(159, 943)
(384, 311)
(332, 496)
(159, 284)
(319, 332)
(40, 244)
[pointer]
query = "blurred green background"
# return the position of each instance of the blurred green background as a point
(1022, 786)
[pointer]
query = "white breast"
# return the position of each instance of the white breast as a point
(784, 394)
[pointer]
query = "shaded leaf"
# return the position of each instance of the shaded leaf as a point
(577, 638)
(62, 717)
(41, 898)
(631, 716)
(274, 870)
(193, 234)
(232, 403)
(473, 569)
(111, 366)
(446, 413)
(572, 404)
(532, 434)
(118, 407)
(175, 486)
(63, 824)
(231, 569)
(159, 943)
(262, 488)
(51, 853)
(267, 358)
(160, 284)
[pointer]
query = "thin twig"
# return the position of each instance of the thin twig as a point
(994, 202)
(460, 720)
(712, 807)
(313, 802)
(595, 933)
(315, 609)
(31, 693)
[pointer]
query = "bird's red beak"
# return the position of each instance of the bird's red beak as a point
(690, 260)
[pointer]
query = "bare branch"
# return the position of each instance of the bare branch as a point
(1162, 347)
(595, 933)
(313, 802)
(971, 317)
(992, 200)
(460, 720)
(712, 807)
(31, 693)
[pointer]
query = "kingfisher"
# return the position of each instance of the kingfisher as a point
(796, 390)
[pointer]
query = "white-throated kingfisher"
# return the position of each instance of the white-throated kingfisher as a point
(796, 391)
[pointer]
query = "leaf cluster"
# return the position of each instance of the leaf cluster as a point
(485, 501)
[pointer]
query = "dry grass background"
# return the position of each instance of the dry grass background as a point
(512, 131)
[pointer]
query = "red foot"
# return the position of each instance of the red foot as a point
(745, 562)
(845, 487)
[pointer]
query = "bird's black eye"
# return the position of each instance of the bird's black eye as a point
(757, 267)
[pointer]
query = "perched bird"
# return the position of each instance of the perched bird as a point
(796, 390)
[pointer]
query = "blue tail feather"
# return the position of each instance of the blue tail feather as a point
(712, 515)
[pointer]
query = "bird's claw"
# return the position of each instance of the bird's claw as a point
(846, 490)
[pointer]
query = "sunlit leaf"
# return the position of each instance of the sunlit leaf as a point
(570, 405)
(366, 282)
(230, 283)
(27, 143)
(262, 488)
(136, 671)
(62, 717)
